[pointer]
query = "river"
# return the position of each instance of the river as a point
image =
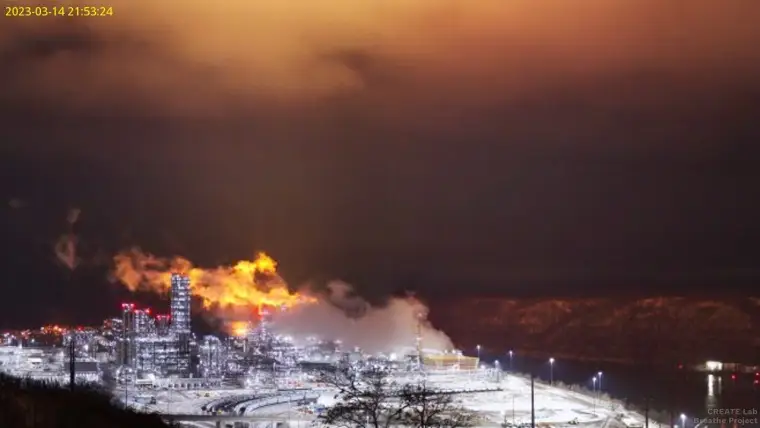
(680, 391)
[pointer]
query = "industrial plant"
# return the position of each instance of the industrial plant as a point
(154, 362)
(154, 350)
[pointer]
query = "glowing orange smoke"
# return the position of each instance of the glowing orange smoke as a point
(239, 328)
(246, 284)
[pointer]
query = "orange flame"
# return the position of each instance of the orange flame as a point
(239, 328)
(246, 284)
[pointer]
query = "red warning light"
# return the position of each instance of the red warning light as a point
(147, 311)
(733, 377)
(680, 366)
(757, 381)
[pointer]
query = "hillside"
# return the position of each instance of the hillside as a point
(29, 404)
(662, 328)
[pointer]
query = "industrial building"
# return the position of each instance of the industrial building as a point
(150, 350)
(211, 353)
(180, 322)
(180, 304)
(128, 334)
(449, 361)
(47, 364)
(162, 344)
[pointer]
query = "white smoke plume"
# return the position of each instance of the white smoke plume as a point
(66, 246)
(342, 315)
(73, 216)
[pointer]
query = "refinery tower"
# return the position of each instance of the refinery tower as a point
(180, 320)
(180, 304)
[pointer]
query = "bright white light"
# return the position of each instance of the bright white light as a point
(551, 360)
(710, 382)
(714, 366)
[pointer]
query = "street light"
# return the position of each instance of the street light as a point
(600, 382)
(513, 409)
(683, 420)
(593, 399)
(551, 371)
(478, 348)
(510, 359)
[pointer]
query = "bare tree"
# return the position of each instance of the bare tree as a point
(367, 399)
(372, 399)
(425, 407)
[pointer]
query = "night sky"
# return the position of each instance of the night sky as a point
(456, 148)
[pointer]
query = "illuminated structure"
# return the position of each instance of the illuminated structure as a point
(180, 321)
(418, 343)
(152, 345)
(180, 304)
(127, 349)
(455, 361)
(211, 356)
(144, 323)
(162, 325)
(158, 355)
(261, 335)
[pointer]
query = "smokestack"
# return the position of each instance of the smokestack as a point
(532, 402)
(646, 413)
(419, 341)
(72, 361)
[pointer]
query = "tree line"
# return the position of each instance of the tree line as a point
(374, 399)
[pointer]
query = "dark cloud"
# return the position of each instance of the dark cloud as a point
(428, 54)
(408, 143)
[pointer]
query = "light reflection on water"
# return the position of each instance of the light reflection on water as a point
(669, 393)
(711, 401)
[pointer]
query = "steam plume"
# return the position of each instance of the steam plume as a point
(342, 315)
(16, 203)
(66, 246)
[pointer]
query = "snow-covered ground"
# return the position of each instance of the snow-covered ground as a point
(175, 402)
(511, 403)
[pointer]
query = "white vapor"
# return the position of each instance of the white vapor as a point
(66, 246)
(342, 315)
